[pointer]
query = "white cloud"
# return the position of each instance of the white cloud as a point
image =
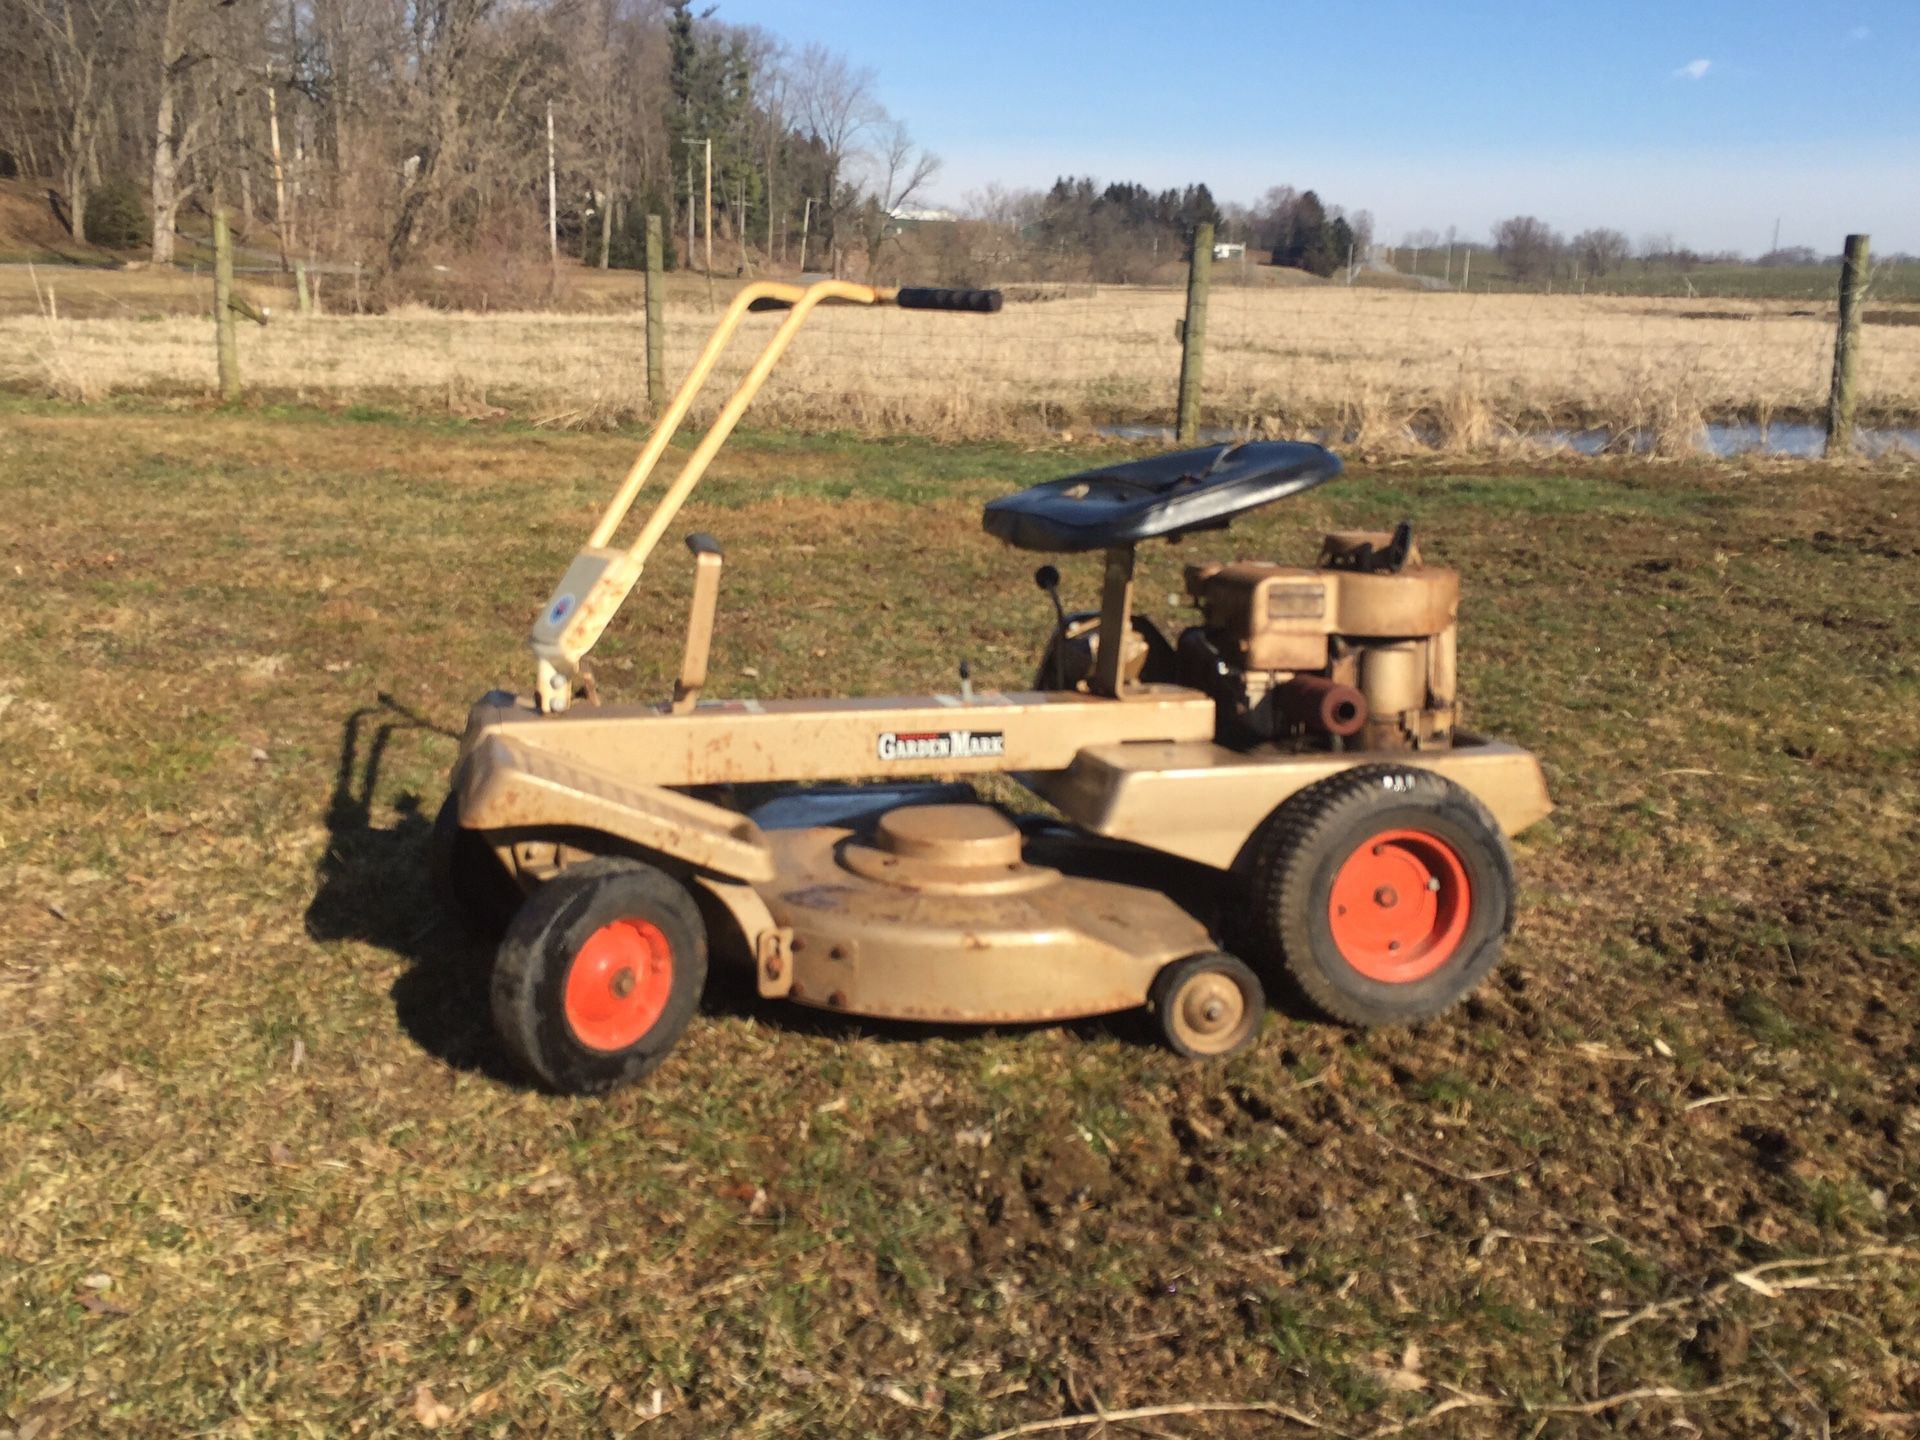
(1693, 70)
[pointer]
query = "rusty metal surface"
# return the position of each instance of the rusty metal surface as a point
(1202, 801)
(510, 785)
(1323, 704)
(1068, 947)
(757, 939)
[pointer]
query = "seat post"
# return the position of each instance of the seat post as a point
(1116, 621)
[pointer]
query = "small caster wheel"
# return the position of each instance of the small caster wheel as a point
(598, 975)
(468, 878)
(1209, 1006)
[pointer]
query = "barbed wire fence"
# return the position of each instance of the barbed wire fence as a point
(1386, 363)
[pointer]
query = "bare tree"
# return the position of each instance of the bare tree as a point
(1527, 244)
(997, 205)
(900, 169)
(183, 47)
(75, 47)
(835, 105)
(1601, 250)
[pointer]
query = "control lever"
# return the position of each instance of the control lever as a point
(1388, 560)
(1048, 579)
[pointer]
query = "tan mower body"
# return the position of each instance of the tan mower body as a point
(925, 918)
(1290, 776)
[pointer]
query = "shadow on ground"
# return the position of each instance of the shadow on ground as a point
(372, 886)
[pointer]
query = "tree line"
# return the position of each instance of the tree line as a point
(394, 132)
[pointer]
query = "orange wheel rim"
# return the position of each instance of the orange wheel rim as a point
(1399, 906)
(618, 984)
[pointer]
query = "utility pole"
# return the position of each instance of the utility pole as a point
(709, 225)
(741, 220)
(806, 228)
(553, 202)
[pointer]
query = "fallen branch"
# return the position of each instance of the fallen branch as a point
(1467, 1400)
(1478, 1177)
(1749, 1279)
(1152, 1412)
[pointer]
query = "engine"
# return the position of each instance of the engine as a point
(1358, 651)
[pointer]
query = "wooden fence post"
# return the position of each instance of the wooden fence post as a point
(226, 346)
(1846, 346)
(1193, 335)
(300, 287)
(656, 328)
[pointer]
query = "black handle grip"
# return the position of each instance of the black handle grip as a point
(975, 302)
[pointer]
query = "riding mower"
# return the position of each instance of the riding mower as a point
(1282, 794)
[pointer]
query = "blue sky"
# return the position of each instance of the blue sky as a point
(1705, 120)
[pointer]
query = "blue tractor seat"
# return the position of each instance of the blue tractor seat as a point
(1164, 495)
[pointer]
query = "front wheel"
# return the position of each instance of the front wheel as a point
(1384, 894)
(598, 975)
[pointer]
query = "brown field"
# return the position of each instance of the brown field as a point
(264, 1172)
(1464, 372)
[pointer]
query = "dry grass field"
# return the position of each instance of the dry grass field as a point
(263, 1172)
(1390, 370)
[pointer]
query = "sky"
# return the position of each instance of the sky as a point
(1708, 121)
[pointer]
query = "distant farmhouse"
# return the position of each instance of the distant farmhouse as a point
(909, 217)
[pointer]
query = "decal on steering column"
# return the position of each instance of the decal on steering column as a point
(942, 744)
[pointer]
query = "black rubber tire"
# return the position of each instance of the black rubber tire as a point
(468, 878)
(1164, 1002)
(1301, 848)
(530, 972)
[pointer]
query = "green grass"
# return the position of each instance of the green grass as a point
(246, 1075)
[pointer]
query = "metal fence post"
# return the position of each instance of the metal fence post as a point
(1846, 346)
(1193, 335)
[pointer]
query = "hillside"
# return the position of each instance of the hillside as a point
(30, 231)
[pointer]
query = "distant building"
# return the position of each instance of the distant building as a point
(907, 216)
(1229, 250)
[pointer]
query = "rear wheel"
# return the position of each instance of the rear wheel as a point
(599, 974)
(1383, 893)
(1208, 1007)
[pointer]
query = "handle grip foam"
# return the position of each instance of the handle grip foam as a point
(975, 302)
